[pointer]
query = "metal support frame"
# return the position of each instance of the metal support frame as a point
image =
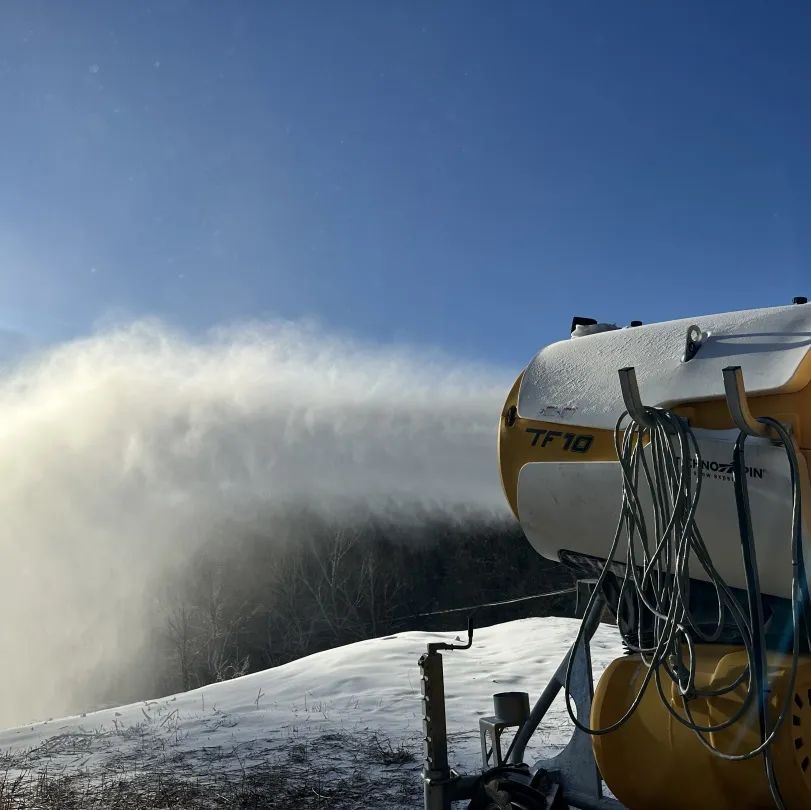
(490, 730)
(583, 590)
(574, 768)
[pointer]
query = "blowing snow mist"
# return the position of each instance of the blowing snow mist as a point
(121, 454)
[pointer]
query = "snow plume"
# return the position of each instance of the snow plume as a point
(123, 452)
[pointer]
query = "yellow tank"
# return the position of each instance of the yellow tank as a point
(653, 762)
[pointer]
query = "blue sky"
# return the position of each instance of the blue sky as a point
(466, 175)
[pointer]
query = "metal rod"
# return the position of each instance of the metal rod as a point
(630, 396)
(554, 686)
(739, 406)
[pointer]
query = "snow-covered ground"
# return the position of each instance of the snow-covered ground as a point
(319, 709)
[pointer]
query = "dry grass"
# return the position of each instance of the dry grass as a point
(380, 749)
(338, 770)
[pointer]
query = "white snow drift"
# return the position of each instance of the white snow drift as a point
(363, 688)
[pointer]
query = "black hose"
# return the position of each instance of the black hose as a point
(753, 593)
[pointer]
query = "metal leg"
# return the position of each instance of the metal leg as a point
(574, 768)
(554, 686)
(436, 773)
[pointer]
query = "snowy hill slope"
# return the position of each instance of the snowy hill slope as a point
(326, 717)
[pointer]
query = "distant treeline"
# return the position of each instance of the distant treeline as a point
(254, 601)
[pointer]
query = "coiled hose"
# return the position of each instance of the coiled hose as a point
(656, 560)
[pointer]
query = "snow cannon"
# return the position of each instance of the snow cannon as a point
(666, 465)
